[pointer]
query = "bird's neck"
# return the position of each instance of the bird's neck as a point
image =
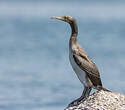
(73, 38)
(74, 28)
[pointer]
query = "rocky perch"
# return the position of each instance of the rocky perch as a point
(101, 100)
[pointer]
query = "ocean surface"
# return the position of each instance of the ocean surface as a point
(35, 73)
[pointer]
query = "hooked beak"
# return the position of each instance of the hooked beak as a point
(58, 18)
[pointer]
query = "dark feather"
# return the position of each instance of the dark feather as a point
(89, 67)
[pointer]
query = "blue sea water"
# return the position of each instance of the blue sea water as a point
(35, 73)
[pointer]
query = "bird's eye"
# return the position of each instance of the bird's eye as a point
(65, 17)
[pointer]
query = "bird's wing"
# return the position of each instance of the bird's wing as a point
(85, 63)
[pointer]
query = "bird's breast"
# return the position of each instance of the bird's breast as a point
(79, 72)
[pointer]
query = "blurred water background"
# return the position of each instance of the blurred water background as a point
(35, 73)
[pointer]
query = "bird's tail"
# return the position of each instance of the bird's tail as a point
(105, 89)
(102, 88)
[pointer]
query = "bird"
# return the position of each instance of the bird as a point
(84, 67)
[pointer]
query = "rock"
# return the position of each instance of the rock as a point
(101, 100)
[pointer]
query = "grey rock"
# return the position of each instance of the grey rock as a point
(101, 100)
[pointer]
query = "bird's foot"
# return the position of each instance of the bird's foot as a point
(76, 102)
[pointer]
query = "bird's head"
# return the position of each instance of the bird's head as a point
(68, 19)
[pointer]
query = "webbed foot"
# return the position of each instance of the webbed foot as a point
(76, 102)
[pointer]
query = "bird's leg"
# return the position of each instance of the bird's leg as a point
(84, 95)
